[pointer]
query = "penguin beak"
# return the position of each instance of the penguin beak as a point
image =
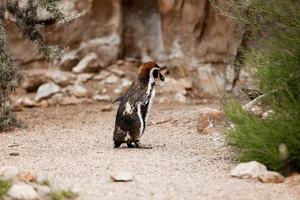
(161, 77)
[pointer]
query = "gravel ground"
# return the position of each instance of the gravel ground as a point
(72, 146)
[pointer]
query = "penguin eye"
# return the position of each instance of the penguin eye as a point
(155, 73)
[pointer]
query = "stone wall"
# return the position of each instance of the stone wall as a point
(187, 36)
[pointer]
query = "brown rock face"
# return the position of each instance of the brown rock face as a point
(184, 34)
(141, 29)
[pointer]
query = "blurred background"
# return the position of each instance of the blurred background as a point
(109, 39)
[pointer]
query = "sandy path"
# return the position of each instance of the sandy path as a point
(73, 147)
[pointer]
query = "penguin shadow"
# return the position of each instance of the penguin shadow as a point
(148, 147)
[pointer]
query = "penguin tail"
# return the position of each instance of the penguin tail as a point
(118, 99)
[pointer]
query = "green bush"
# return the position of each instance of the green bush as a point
(8, 119)
(275, 60)
(4, 187)
(63, 195)
(27, 19)
(274, 142)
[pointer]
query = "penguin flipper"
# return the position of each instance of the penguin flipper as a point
(118, 99)
(122, 96)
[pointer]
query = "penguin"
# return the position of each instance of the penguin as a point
(135, 106)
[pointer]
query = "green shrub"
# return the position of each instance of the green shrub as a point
(275, 60)
(45, 182)
(27, 19)
(4, 187)
(274, 142)
(8, 119)
(63, 195)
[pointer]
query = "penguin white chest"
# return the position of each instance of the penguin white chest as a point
(150, 104)
(143, 113)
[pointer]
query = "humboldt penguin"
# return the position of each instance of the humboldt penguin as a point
(135, 106)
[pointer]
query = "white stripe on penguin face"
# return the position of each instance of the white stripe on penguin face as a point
(151, 80)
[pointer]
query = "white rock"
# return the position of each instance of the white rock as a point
(8, 172)
(253, 103)
(118, 72)
(120, 62)
(22, 191)
(118, 90)
(46, 90)
(267, 114)
(56, 99)
(102, 98)
(126, 83)
(68, 61)
(78, 90)
(41, 189)
(107, 48)
(87, 64)
(111, 79)
(271, 177)
(171, 85)
(248, 170)
(256, 110)
(104, 90)
(85, 77)
(122, 176)
(61, 78)
(180, 98)
(27, 102)
(101, 76)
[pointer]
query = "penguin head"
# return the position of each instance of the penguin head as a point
(150, 71)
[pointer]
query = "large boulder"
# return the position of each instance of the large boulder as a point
(46, 90)
(106, 48)
(61, 78)
(23, 191)
(248, 170)
(88, 64)
(122, 176)
(68, 61)
(256, 170)
(78, 90)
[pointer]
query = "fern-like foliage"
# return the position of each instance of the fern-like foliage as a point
(275, 59)
(26, 17)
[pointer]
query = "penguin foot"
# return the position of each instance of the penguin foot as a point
(117, 144)
(130, 145)
(140, 146)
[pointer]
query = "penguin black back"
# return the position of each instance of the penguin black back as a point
(135, 105)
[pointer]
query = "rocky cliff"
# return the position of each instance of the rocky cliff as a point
(187, 36)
